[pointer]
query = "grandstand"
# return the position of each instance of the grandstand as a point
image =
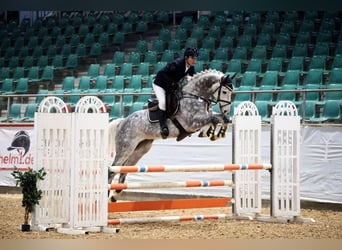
(106, 53)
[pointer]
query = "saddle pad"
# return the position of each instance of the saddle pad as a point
(153, 116)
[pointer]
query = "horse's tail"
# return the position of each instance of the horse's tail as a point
(113, 125)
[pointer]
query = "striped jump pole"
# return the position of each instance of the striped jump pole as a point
(179, 184)
(168, 219)
(189, 168)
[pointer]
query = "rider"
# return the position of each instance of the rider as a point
(167, 80)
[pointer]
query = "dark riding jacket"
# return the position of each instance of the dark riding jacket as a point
(169, 76)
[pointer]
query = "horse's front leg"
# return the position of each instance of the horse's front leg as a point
(222, 132)
(223, 120)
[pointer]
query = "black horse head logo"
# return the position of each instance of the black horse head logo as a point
(21, 141)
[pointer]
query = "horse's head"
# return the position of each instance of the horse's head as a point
(224, 92)
(212, 84)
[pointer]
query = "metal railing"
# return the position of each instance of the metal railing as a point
(301, 96)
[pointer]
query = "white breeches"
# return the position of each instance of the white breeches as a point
(160, 93)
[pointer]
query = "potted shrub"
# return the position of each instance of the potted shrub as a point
(31, 194)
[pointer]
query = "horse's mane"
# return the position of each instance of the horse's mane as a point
(199, 76)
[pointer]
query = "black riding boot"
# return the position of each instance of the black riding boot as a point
(164, 131)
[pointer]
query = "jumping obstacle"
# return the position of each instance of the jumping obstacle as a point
(246, 201)
(72, 148)
(167, 219)
(74, 153)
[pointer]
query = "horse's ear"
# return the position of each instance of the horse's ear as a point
(227, 80)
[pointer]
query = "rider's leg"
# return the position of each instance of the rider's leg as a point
(160, 93)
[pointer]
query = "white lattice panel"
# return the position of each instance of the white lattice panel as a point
(285, 160)
(247, 149)
(53, 153)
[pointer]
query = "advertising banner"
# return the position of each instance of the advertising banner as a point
(17, 149)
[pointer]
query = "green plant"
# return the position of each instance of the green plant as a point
(28, 183)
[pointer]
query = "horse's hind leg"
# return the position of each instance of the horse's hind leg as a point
(142, 148)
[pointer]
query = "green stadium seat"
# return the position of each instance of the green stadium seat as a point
(296, 63)
(337, 61)
(109, 99)
(157, 45)
(331, 112)
(42, 61)
(118, 57)
(216, 64)
(221, 53)
(300, 50)
(158, 66)
(317, 62)
(109, 70)
(275, 64)
(144, 97)
(15, 113)
(291, 78)
(28, 62)
(197, 33)
(255, 64)
(141, 46)
(93, 70)
(240, 53)
(13, 62)
(143, 69)
(84, 83)
(313, 76)
(321, 49)
(141, 27)
(264, 96)
(249, 79)
(118, 83)
(203, 21)
(101, 82)
(73, 99)
(134, 58)
(71, 62)
(209, 43)
(136, 106)
(18, 72)
(263, 109)
(7, 86)
(68, 83)
(30, 110)
(126, 69)
(150, 56)
(270, 78)
(259, 52)
(135, 82)
(279, 51)
(333, 95)
(242, 96)
(234, 65)
(47, 74)
(303, 37)
(309, 108)
(33, 74)
(115, 112)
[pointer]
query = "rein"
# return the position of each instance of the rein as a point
(209, 101)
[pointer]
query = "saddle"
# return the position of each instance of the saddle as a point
(172, 104)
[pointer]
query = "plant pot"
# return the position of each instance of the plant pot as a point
(25, 227)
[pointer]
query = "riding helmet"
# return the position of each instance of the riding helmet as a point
(191, 52)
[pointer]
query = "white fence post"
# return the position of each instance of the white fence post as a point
(246, 149)
(72, 148)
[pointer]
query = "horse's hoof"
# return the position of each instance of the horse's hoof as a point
(201, 134)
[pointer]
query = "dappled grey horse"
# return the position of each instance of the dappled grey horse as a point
(132, 137)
